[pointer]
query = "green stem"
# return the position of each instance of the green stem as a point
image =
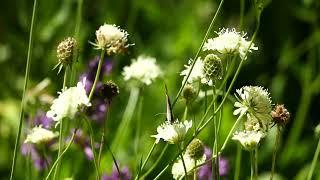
(103, 135)
(147, 158)
(183, 163)
(198, 52)
(138, 128)
(93, 148)
(195, 171)
(59, 157)
(252, 164)
(275, 150)
(215, 165)
(242, 6)
(185, 114)
(57, 169)
(97, 74)
(256, 163)
(26, 78)
(314, 161)
(78, 19)
(238, 162)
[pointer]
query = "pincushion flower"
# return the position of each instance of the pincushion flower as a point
(248, 139)
(68, 102)
(111, 38)
(172, 132)
(229, 41)
(40, 135)
(255, 101)
(178, 170)
(143, 69)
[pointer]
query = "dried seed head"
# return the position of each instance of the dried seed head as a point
(109, 90)
(195, 150)
(189, 93)
(67, 50)
(280, 115)
(213, 68)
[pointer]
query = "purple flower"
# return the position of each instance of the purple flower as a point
(42, 119)
(39, 161)
(84, 142)
(205, 172)
(97, 112)
(124, 174)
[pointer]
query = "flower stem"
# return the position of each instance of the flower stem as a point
(78, 19)
(103, 135)
(26, 78)
(198, 52)
(314, 161)
(57, 169)
(183, 163)
(147, 158)
(238, 162)
(256, 163)
(252, 164)
(97, 74)
(275, 150)
(138, 124)
(215, 164)
(93, 148)
(63, 152)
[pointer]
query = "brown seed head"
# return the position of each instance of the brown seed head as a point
(280, 115)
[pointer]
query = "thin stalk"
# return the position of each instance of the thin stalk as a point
(63, 152)
(138, 124)
(93, 148)
(147, 158)
(26, 78)
(242, 6)
(78, 19)
(198, 52)
(185, 114)
(238, 162)
(195, 172)
(252, 164)
(314, 161)
(183, 163)
(214, 148)
(103, 135)
(256, 163)
(97, 74)
(275, 150)
(57, 169)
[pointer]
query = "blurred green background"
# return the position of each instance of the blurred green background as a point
(287, 63)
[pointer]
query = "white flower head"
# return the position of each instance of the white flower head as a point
(68, 102)
(229, 41)
(197, 73)
(178, 170)
(172, 132)
(40, 135)
(143, 69)
(255, 101)
(111, 38)
(248, 139)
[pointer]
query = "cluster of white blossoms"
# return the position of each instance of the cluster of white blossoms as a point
(40, 135)
(229, 41)
(143, 69)
(178, 169)
(197, 74)
(248, 139)
(111, 38)
(68, 102)
(255, 103)
(172, 132)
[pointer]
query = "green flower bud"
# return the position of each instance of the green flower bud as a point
(189, 93)
(213, 68)
(195, 150)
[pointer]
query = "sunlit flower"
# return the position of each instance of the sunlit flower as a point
(68, 102)
(197, 74)
(229, 41)
(178, 170)
(40, 135)
(111, 38)
(248, 139)
(143, 69)
(172, 132)
(255, 101)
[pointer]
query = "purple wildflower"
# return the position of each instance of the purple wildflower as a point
(205, 172)
(39, 161)
(84, 142)
(125, 174)
(42, 119)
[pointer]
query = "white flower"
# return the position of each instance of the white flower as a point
(172, 132)
(248, 139)
(111, 38)
(197, 73)
(40, 135)
(68, 102)
(255, 101)
(178, 170)
(229, 42)
(144, 69)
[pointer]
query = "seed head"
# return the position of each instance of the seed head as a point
(195, 150)
(189, 93)
(109, 90)
(67, 50)
(213, 68)
(280, 115)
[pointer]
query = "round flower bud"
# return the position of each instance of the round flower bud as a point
(67, 51)
(280, 115)
(189, 93)
(195, 150)
(109, 90)
(213, 68)
(317, 131)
